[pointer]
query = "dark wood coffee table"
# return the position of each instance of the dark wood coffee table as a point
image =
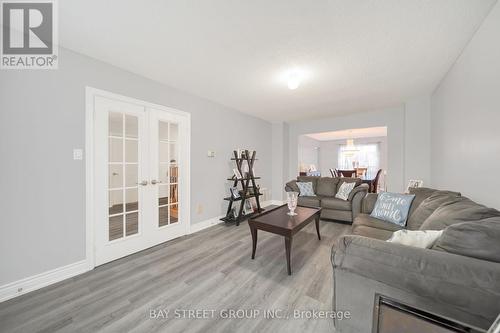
(278, 222)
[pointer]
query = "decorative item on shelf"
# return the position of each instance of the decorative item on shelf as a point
(291, 200)
(252, 190)
(234, 192)
(248, 195)
(248, 209)
(245, 170)
(414, 183)
(253, 203)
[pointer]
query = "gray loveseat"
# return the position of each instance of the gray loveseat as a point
(458, 278)
(325, 189)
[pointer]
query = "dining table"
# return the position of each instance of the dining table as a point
(369, 178)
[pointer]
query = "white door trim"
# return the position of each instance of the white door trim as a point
(90, 94)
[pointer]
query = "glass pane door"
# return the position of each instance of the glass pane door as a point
(138, 153)
(168, 159)
(123, 175)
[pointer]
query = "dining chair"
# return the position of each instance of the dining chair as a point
(334, 173)
(374, 184)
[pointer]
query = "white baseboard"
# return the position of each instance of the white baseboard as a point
(41, 280)
(205, 224)
(216, 220)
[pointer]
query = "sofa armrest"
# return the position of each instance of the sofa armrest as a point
(470, 284)
(291, 186)
(363, 188)
(369, 203)
(356, 198)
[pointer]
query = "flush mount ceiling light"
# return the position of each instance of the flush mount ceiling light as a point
(293, 81)
(294, 77)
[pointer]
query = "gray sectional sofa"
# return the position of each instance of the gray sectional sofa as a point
(458, 278)
(325, 189)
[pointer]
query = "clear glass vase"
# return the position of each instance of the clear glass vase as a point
(291, 200)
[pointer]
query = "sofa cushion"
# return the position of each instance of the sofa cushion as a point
(460, 210)
(479, 239)
(337, 215)
(369, 202)
(393, 207)
(344, 190)
(429, 205)
(327, 186)
(309, 201)
(306, 179)
(368, 221)
(420, 193)
(334, 203)
(306, 189)
(369, 232)
(342, 180)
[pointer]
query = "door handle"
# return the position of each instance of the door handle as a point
(143, 183)
(154, 182)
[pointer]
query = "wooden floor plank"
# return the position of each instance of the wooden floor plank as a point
(209, 270)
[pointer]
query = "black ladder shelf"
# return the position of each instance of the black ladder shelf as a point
(247, 181)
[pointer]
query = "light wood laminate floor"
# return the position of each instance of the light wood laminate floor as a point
(209, 270)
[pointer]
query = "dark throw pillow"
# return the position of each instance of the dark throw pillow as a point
(479, 239)
(429, 205)
(460, 210)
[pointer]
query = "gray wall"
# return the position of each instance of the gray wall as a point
(418, 139)
(278, 151)
(393, 118)
(408, 139)
(42, 193)
(308, 152)
(466, 118)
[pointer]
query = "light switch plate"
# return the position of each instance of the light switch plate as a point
(77, 154)
(211, 153)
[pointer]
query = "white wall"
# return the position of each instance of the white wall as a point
(42, 192)
(466, 119)
(308, 152)
(329, 153)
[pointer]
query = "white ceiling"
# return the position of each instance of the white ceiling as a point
(359, 55)
(355, 133)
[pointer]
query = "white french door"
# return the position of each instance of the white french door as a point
(141, 187)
